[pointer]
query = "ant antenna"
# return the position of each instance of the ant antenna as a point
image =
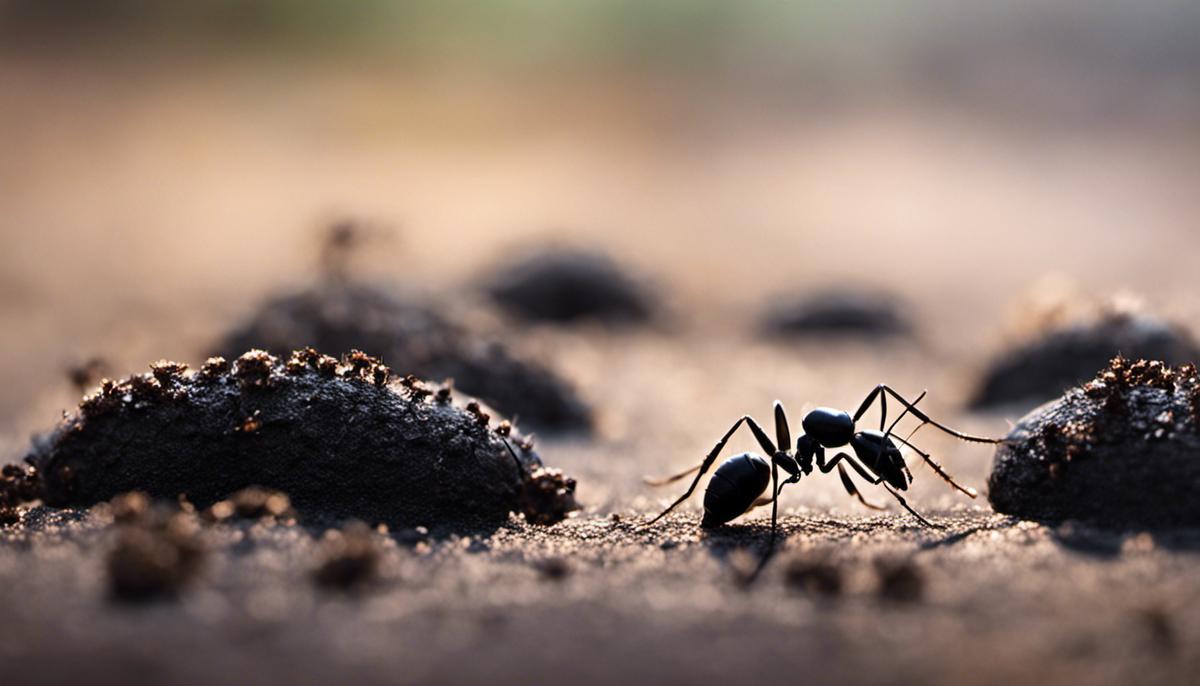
(907, 408)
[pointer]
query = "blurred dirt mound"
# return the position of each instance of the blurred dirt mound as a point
(567, 286)
(339, 316)
(849, 313)
(1046, 365)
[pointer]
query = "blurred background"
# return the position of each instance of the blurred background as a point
(164, 166)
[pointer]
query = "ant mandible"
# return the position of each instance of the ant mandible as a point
(738, 484)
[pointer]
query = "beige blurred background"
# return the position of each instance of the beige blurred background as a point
(163, 166)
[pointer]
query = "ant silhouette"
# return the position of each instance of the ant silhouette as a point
(737, 485)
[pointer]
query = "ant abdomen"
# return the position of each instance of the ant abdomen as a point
(734, 487)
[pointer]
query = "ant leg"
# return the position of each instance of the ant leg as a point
(783, 436)
(888, 434)
(926, 420)
(875, 481)
(774, 508)
(775, 488)
(663, 481)
(827, 467)
(971, 492)
(911, 511)
(853, 490)
(759, 434)
(892, 427)
(766, 500)
(866, 403)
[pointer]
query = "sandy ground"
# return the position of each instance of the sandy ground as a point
(1004, 602)
(131, 232)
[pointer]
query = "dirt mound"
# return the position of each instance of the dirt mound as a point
(858, 314)
(1043, 367)
(338, 437)
(1124, 450)
(567, 286)
(337, 316)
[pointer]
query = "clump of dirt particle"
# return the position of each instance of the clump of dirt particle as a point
(339, 315)
(349, 558)
(899, 580)
(554, 568)
(1046, 365)
(251, 503)
(338, 436)
(158, 549)
(858, 314)
(566, 286)
(814, 573)
(548, 496)
(18, 485)
(87, 373)
(1123, 450)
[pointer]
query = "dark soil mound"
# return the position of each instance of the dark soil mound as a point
(1124, 451)
(837, 313)
(414, 339)
(1043, 368)
(338, 438)
(567, 286)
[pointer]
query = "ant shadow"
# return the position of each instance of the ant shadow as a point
(959, 536)
(730, 537)
(1109, 543)
(727, 539)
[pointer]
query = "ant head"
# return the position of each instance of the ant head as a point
(880, 454)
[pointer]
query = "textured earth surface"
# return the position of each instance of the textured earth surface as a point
(150, 207)
(594, 601)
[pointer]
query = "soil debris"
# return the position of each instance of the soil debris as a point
(158, 550)
(548, 496)
(413, 338)
(859, 314)
(566, 286)
(18, 484)
(251, 503)
(900, 580)
(350, 558)
(87, 373)
(814, 573)
(1043, 367)
(335, 436)
(1122, 450)
(554, 568)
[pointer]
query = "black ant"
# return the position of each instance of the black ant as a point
(738, 484)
